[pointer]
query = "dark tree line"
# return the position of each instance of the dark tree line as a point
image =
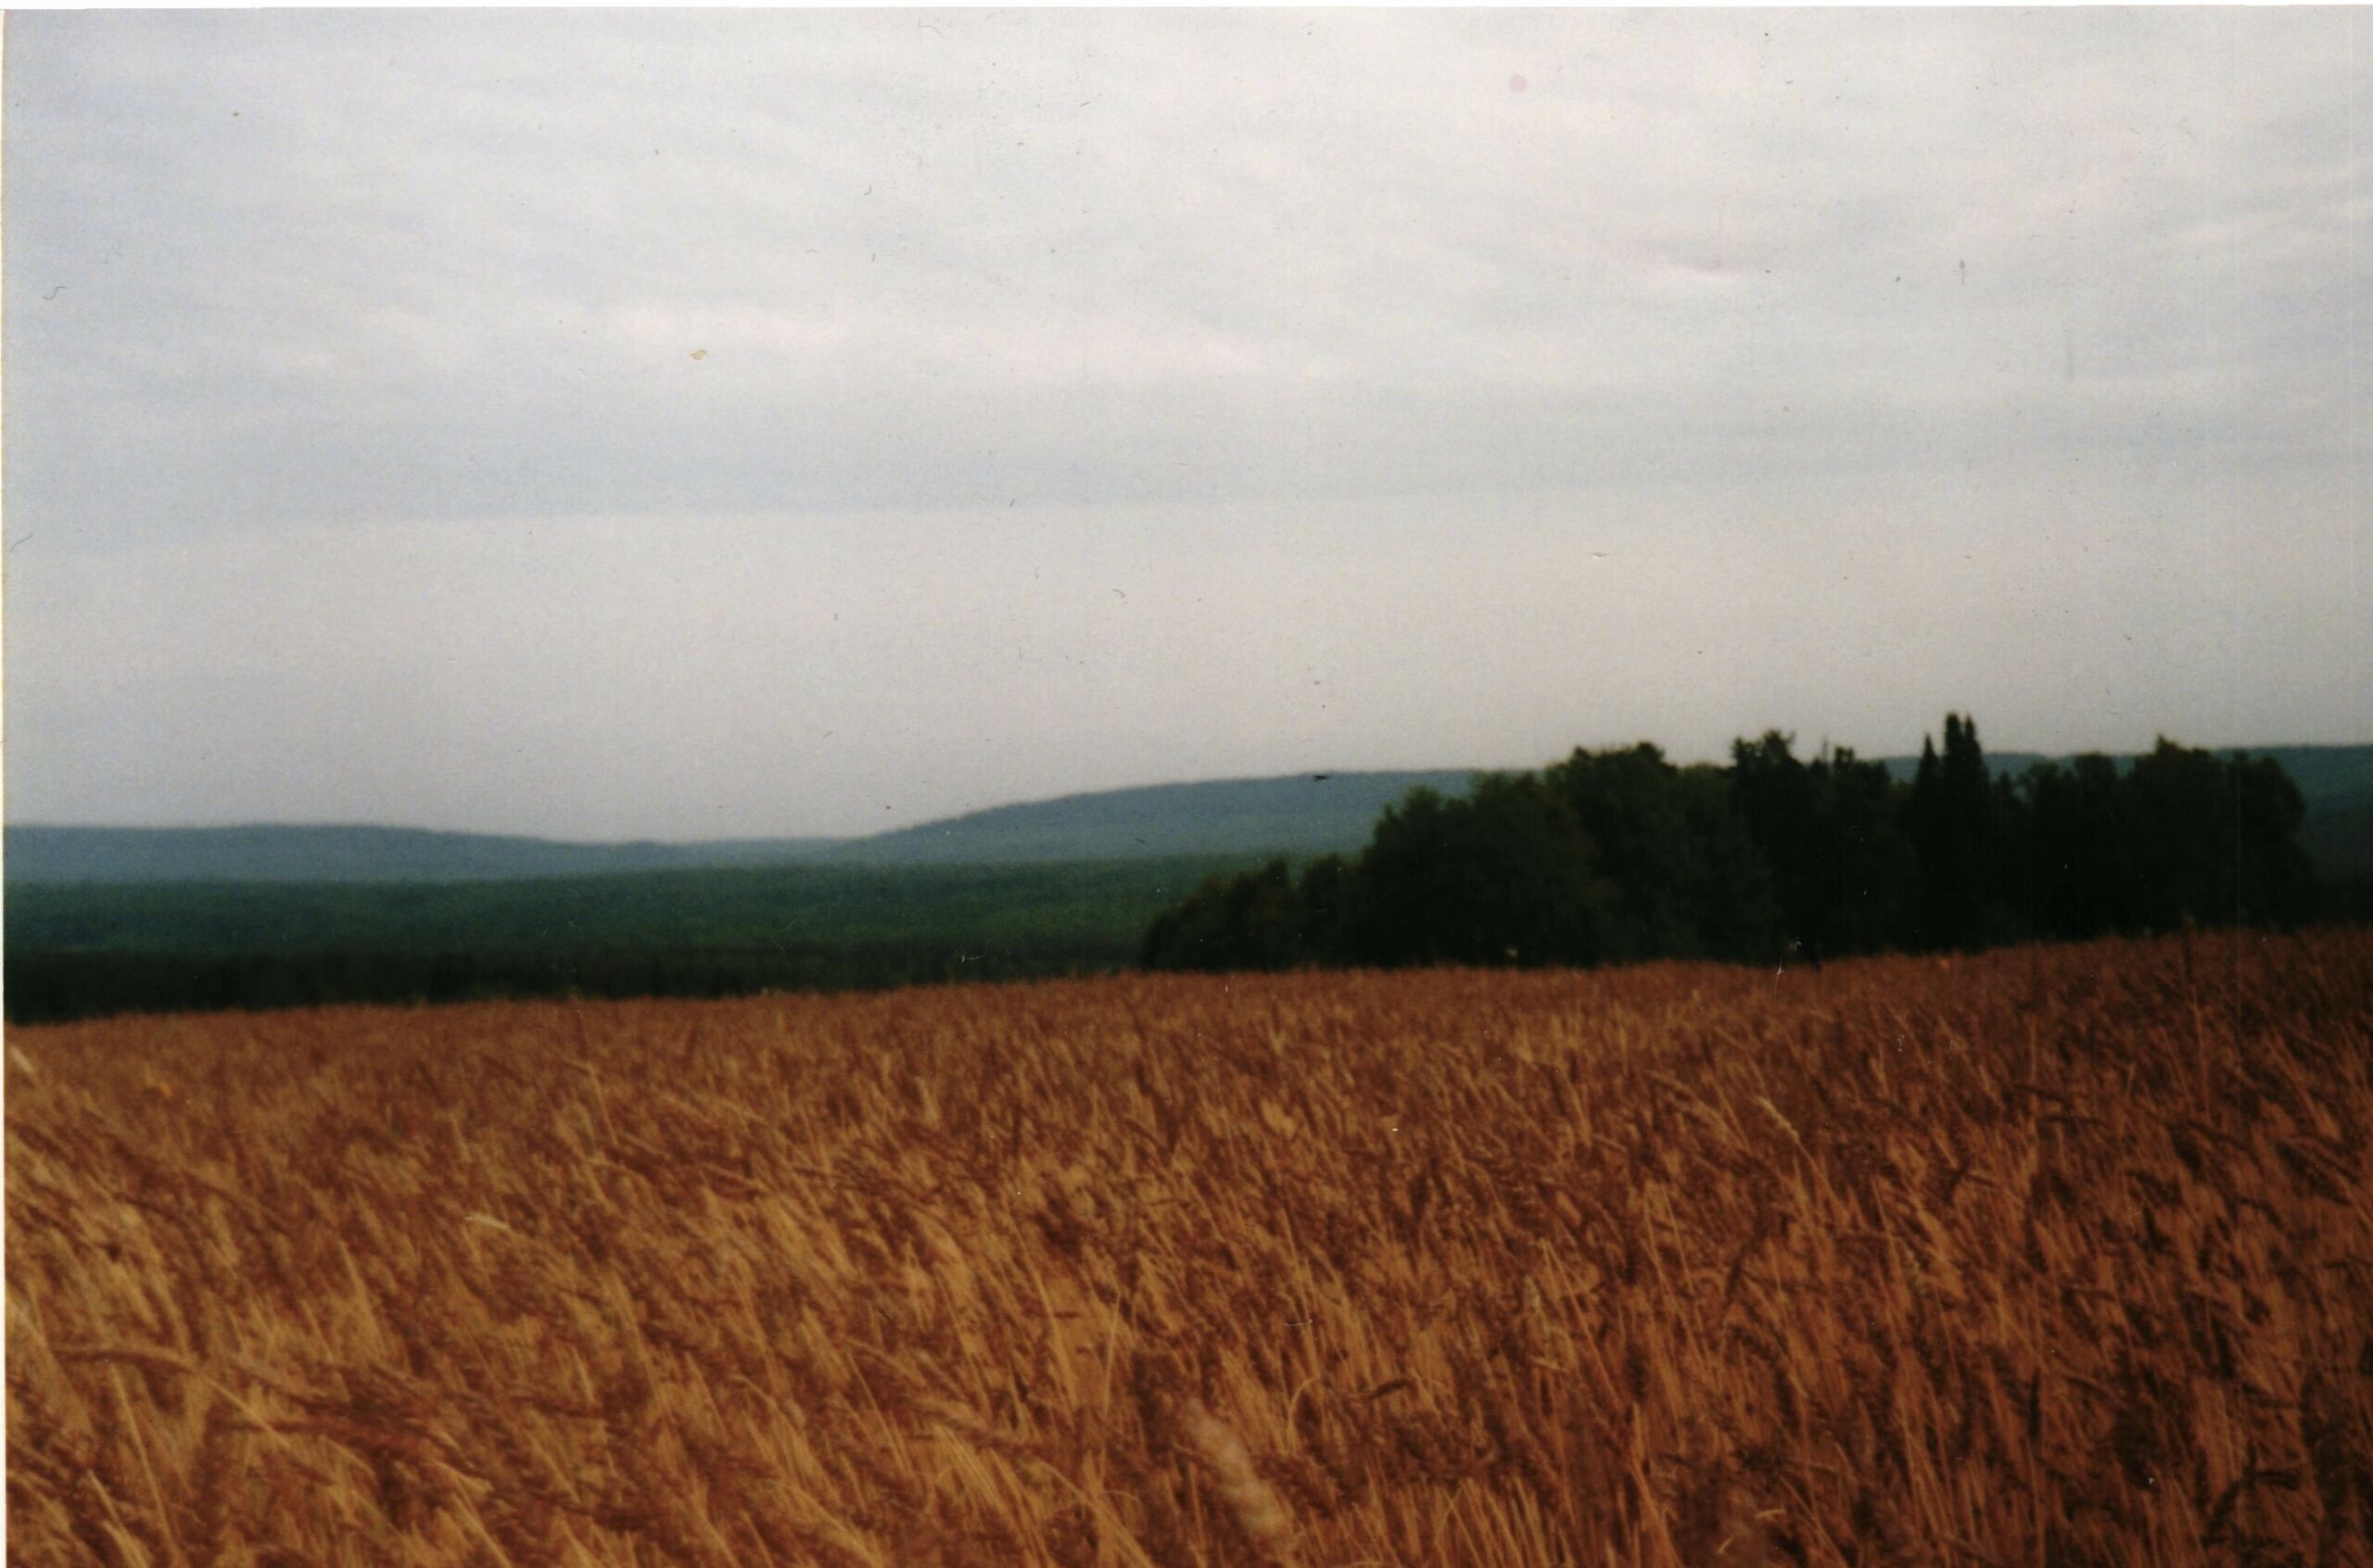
(46, 987)
(1621, 854)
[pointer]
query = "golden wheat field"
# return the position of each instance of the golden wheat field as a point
(2052, 1257)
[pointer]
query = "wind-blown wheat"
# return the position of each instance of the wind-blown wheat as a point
(2055, 1255)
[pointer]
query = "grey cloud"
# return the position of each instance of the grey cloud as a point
(419, 239)
(394, 274)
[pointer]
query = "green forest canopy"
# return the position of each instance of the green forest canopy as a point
(1621, 854)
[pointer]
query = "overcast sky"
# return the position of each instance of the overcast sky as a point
(676, 424)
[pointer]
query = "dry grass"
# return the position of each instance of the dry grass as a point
(2056, 1257)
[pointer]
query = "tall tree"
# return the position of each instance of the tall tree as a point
(2273, 878)
(1877, 873)
(1250, 921)
(2215, 841)
(1502, 876)
(1687, 880)
(1955, 827)
(2075, 860)
(1780, 804)
(1828, 828)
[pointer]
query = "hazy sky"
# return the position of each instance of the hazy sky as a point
(702, 424)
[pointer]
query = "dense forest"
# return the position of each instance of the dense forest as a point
(76, 951)
(1600, 858)
(1620, 854)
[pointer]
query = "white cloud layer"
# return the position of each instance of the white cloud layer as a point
(481, 419)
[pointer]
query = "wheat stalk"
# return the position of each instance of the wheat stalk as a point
(1249, 1500)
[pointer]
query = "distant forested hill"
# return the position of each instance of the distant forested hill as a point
(1299, 815)
(1306, 814)
(1302, 813)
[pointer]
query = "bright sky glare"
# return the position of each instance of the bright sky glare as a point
(686, 425)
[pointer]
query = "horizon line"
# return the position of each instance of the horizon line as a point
(1314, 774)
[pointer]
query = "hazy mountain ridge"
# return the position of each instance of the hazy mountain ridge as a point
(1294, 815)
(1299, 814)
